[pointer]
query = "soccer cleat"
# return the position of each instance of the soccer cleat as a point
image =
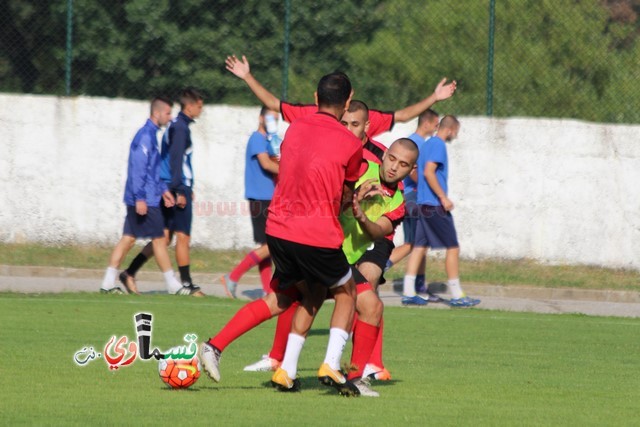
(210, 358)
(335, 379)
(463, 302)
(265, 364)
(364, 387)
(190, 289)
(129, 283)
(376, 373)
(114, 291)
(229, 286)
(283, 382)
(414, 300)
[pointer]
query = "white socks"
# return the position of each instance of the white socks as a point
(337, 340)
(173, 285)
(409, 286)
(455, 289)
(292, 354)
(109, 278)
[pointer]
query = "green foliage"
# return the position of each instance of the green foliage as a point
(576, 59)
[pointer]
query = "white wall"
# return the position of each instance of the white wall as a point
(558, 191)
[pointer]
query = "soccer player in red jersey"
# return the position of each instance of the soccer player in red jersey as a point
(319, 166)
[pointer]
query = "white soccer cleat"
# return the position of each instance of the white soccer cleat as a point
(364, 386)
(210, 359)
(266, 364)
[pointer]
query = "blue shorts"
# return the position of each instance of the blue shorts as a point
(411, 216)
(144, 226)
(435, 228)
(179, 219)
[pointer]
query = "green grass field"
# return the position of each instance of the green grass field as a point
(449, 367)
(496, 272)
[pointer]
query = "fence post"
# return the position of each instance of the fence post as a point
(492, 22)
(67, 71)
(285, 61)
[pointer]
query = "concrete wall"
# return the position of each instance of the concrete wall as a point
(558, 191)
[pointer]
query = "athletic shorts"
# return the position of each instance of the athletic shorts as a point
(295, 262)
(411, 216)
(435, 228)
(378, 253)
(258, 209)
(143, 226)
(179, 219)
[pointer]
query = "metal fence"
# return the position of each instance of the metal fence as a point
(539, 58)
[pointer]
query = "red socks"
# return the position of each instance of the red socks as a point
(247, 263)
(364, 340)
(265, 274)
(376, 354)
(247, 318)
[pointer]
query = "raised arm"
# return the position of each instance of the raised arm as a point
(242, 70)
(443, 91)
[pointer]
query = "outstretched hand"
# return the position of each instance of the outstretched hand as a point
(240, 68)
(444, 91)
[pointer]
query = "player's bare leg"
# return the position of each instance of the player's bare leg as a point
(161, 254)
(121, 249)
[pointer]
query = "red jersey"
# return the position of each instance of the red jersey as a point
(397, 215)
(379, 121)
(318, 155)
(373, 150)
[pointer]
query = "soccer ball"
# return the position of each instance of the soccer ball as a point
(179, 373)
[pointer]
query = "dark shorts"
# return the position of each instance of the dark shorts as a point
(258, 209)
(378, 253)
(295, 262)
(411, 217)
(435, 228)
(143, 226)
(179, 219)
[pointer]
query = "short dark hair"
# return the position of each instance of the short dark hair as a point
(427, 114)
(357, 105)
(449, 122)
(407, 143)
(334, 90)
(158, 100)
(189, 95)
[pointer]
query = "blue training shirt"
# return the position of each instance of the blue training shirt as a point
(409, 184)
(258, 183)
(143, 168)
(433, 150)
(176, 168)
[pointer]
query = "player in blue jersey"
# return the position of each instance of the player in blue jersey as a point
(144, 193)
(435, 228)
(177, 172)
(260, 170)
